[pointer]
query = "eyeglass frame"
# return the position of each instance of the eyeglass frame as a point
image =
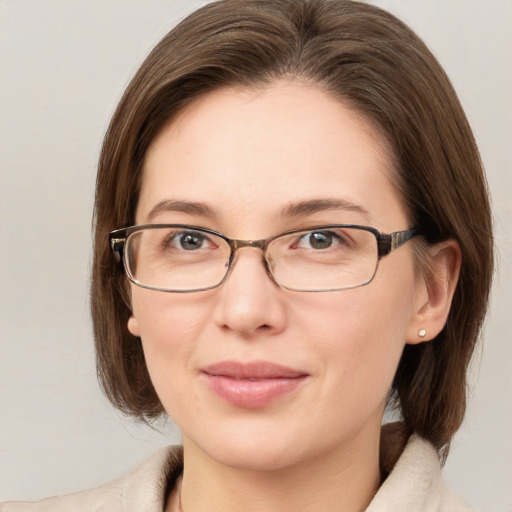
(386, 243)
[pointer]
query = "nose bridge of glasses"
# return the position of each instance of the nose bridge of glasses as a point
(257, 244)
(260, 245)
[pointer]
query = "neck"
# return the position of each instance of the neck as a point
(344, 479)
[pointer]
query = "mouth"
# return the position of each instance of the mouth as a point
(252, 385)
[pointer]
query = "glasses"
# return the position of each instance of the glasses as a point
(183, 258)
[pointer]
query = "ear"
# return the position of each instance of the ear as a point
(435, 292)
(133, 326)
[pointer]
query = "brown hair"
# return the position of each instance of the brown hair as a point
(363, 56)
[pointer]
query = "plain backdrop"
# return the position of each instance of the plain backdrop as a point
(63, 67)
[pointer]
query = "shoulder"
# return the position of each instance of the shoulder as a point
(415, 483)
(142, 489)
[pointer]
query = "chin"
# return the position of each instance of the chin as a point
(249, 448)
(255, 457)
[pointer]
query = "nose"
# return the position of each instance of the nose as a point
(250, 303)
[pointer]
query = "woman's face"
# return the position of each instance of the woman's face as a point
(254, 375)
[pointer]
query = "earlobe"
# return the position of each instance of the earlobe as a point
(435, 292)
(133, 326)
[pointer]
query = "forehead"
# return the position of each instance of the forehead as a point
(253, 151)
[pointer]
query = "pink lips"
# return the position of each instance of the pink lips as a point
(252, 385)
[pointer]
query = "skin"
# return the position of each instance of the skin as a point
(249, 154)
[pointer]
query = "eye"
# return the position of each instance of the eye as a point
(189, 241)
(319, 240)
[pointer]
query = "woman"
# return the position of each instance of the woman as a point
(292, 234)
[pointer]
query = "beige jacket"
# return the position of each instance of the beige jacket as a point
(414, 484)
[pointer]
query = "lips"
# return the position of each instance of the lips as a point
(252, 385)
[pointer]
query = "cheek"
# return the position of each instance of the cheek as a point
(164, 324)
(367, 319)
(169, 326)
(361, 335)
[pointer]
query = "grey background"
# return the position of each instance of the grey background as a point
(63, 66)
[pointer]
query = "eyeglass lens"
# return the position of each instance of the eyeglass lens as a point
(184, 259)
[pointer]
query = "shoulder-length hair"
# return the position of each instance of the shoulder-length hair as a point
(368, 59)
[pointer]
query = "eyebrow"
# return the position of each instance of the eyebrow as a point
(319, 205)
(173, 205)
(297, 209)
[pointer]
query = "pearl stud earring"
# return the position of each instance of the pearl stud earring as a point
(422, 333)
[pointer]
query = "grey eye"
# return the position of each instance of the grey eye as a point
(189, 241)
(319, 240)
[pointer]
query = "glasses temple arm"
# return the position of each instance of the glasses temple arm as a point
(117, 246)
(388, 243)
